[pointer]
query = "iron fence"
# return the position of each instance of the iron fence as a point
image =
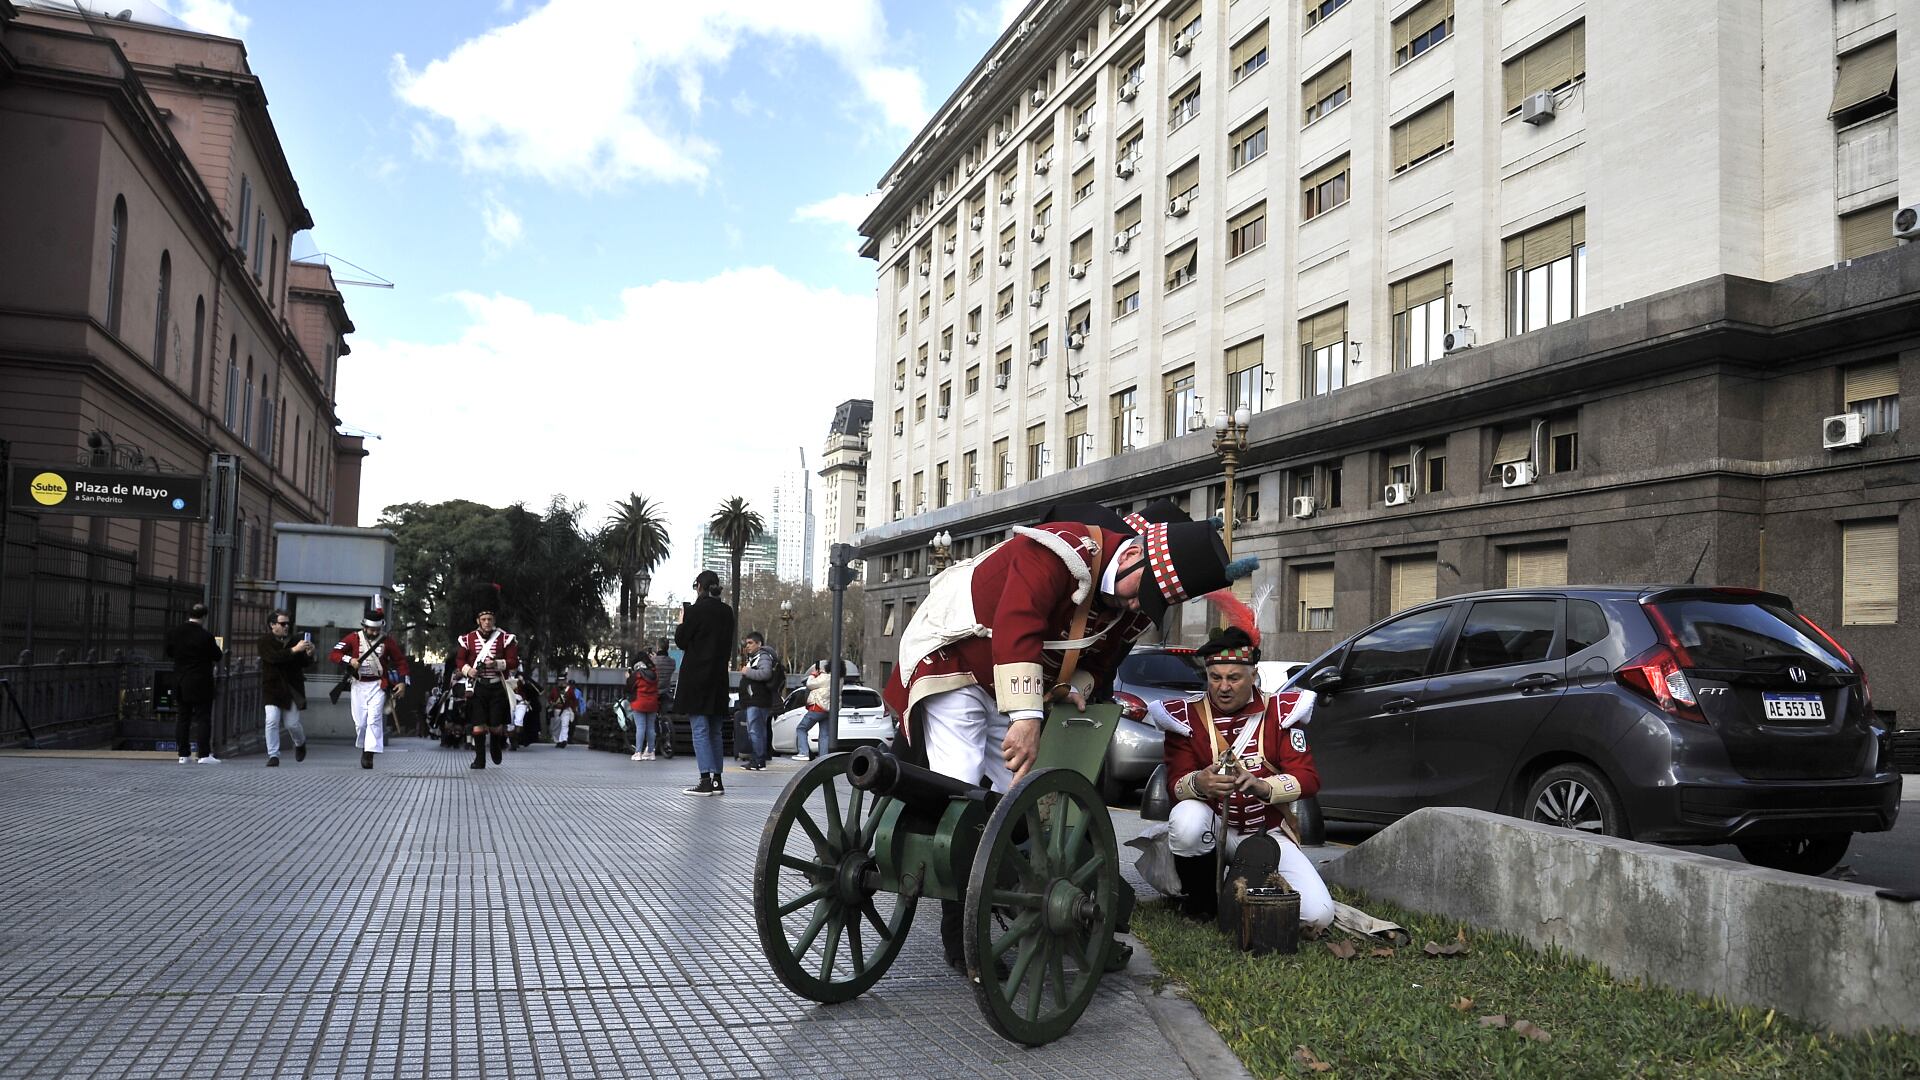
(120, 704)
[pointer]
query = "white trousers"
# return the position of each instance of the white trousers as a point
(1193, 828)
(369, 716)
(289, 716)
(519, 713)
(963, 730)
(562, 724)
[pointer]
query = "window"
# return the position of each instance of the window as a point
(1427, 133)
(1128, 146)
(1394, 652)
(926, 305)
(920, 409)
(1563, 442)
(1003, 303)
(1079, 439)
(1547, 274)
(1420, 317)
(973, 379)
(940, 484)
(1867, 230)
(1873, 391)
(1037, 456)
(259, 242)
(1539, 566)
(1320, 9)
(1186, 25)
(1183, 264)
(1332, 476)
(1126, 296)
(970, 472)
(1126, 420)
(1037, 346)
(1081, 251)
(1313, 596)
(160, 314)
(1002, 465)
(116, 262)
(976, 264)
(1324, 189)
(1042, 280)
(1083, 114)
(199, 344)
(273, 270)
(1864, 84)
(246, 214)
(231, 397)
(1436, 479)
(1134, 72)
(1869, 572)
(886, 620)
(1399, 465)
(973, 321)
(1183, 105)
(1247, 375)
(1512, 442)
(1007, 240)
(1248, 55)
(1500, 633)
(946, 395)
(1421, 29)
(1328, 90)
(1410, 581)
(902, 328)
(1126, 223)
(1182, 402)
(1323, 352)
(246, 407)
(1184, 181)
(1043, 213)
(919, 494)
(1080, 319)
(1248, 143)
(1083, 182)
(947, 288)
(1556, 63)
(1586, 625)
(1003, 368)
(1247, 230)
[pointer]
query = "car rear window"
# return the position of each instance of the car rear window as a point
(859, 699)
(1175, 670)
(1743, 634)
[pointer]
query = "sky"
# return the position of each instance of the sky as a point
(622, 233)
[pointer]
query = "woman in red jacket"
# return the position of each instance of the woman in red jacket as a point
(643, 699)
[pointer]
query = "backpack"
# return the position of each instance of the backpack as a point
(777, 686)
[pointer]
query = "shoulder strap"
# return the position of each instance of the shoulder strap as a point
(1071, 661)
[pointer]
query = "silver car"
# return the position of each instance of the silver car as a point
(1149, 673)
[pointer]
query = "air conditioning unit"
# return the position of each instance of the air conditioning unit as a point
(1001, 380)
(1036, 297)
(1129, 89)
(1082, 132)
(920, 366)
(926, 269)
(1122, 242)
(948, 246)
(899, 427)
(946, 356)
(978, 220)
(1077, 270)
(899, 382)
(907, 571)
(1079, 58)
(1399, 494)
(1517, 474)
(1840, 432)
(1006, 197)
(1041, 165)
(940, 132)
(1076, 340)
(1122, 12)
(1038, 97)
(1179, 207)
(1304, 506)
(1457, 339)
(973, 337)
(1537, 108)
(886, 576)
(993, 65)
(1000, 137)
(1906, 223)
(972, 167)
(1125, 166)
(942, 411)
(1035, 357)
(1038, 234)
(1006, 258)
(1183, 45)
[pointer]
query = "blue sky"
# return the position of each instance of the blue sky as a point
(621, 230)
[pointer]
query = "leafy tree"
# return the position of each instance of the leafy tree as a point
(634, 542)
(736, 525)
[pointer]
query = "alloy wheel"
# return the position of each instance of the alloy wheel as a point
(1570, 805)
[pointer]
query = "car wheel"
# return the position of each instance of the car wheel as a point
(1313, 826)
(1576, 797)
(1798, 854)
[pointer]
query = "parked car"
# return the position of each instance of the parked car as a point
(1149, 673)
(864, 721)
(1273, 674)
(1675, 714)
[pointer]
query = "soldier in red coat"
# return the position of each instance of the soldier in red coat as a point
(1247, 751)
(486, 656)
(377, 664)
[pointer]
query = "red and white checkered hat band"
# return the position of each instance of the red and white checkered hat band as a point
(1137, 523)
(1160, 560)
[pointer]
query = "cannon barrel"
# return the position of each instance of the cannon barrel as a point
(883, 774)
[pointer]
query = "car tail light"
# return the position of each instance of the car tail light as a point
(1656, 675)
(1836, 646)
(1131, 706)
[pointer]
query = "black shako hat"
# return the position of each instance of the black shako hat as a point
(1157, 512)
(1162, 511)
(1229, 645)
(1185, 561)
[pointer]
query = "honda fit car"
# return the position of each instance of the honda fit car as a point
(1149, 673)
(1675, 714)
(864, 721)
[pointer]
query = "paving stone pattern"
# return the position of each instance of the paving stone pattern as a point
(570, 914)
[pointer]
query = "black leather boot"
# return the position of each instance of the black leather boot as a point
(1201, 899)
(953, 917)
(479, 752)
(495, 744)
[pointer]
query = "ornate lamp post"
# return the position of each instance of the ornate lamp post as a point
(786, 628)
(942, 550)
(1229, 439)
(644, 582)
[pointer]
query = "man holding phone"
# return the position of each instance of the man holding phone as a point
(283, 676)
(705, 637)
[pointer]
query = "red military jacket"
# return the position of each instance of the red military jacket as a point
(504, 651)
(1277, 753)
(391, 658)
(1009, 631)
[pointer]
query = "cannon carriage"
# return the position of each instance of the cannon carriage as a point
(856, 841)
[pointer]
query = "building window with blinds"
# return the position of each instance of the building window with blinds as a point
(1328, 90)
(1324, 189)
(973, 379)
(1536, 566)
(1003, 303)
(977, 264)
(1436, 469)
(1038, 346)
(1420, 29)
(1420, 317)
(1399, 465)
(1002, 465)
(947, 288)
(1037, 456)
(1870, 572)
(1313, 597)
(940, 484)
(1126, 224)
(1183, 105)
(1426, 134)
(1320, 9)
(1554, 64)
(1323, 352)
(1184, 181)
(1128, 147)
(1183, 265)
(1247, 375)
(1547, 274)
(1563, 442)
(1186, 25)
(886, 620)
(1083, 182)
(1248, 55)
(1080, 321)
(1126, 296)
(1080, 253)
(1042, 280)
(1247, 230)
(1411, 580)
(1127, 427)
(1182, 402)
(1511, 443)
(970, 473)
(1003, 368)
(1079, 439)
(1863, 82)
(1873, 391)
(1247, 144)
(920, 409)
(926, 305)
(1865, 231)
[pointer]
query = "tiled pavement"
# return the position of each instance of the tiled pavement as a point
(568, 915)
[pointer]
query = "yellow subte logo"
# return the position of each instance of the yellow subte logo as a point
(49, 489)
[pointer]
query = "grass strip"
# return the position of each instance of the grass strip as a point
(1409, 1014)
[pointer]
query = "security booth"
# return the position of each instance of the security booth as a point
(329, 575)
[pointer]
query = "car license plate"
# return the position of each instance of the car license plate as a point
(1794, 706)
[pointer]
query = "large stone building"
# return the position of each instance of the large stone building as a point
(1514, 292)
(149, 313)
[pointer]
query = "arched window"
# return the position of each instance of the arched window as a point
(116, 261)
(273, 271)
(160, 313)
(246, 407)
(231, 399)
(199, 342)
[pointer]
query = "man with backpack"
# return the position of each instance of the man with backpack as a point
(763, 679)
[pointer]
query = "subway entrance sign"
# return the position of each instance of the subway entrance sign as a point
(58, 489)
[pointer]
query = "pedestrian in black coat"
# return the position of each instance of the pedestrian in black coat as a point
(194, 652)
(705, 637)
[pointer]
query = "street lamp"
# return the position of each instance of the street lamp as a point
(645, 582)
(942, 546)
(1229, 439)
(786, 627)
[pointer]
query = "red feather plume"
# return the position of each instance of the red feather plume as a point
(1237, 613)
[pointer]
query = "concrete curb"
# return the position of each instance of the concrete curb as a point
(1181, 1021)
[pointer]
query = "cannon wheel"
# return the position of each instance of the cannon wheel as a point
(1042, 902)
(828, 931)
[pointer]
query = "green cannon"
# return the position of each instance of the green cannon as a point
(857, 840)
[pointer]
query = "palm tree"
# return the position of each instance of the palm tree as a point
(636, 540)
(737, 525)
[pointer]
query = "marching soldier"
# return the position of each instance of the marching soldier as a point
(376, 664)
(486, 657)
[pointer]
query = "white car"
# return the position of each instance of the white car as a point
(864, 721)
(1271, 675)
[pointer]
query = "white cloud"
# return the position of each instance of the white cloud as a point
(210, 16)
(666, 397)
(988, 20)
(579, 91)
(503, 225)
(844, 209)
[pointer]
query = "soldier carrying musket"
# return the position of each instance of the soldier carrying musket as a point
(487, 655)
